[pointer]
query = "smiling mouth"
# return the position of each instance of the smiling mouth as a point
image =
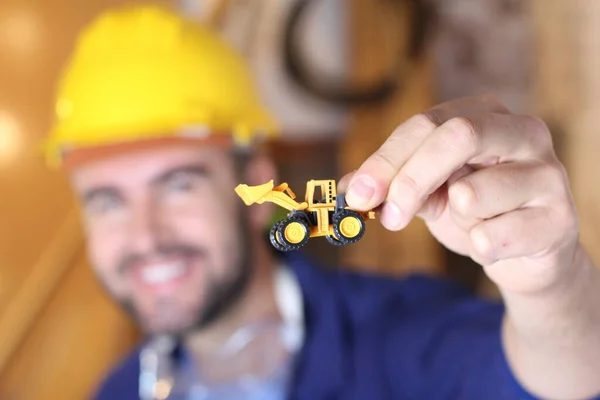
(163, 273)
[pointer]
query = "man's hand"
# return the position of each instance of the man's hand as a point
(487, 183)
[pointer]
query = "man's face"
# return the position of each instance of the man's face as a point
(165, 232)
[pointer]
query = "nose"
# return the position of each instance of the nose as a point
(144, 229)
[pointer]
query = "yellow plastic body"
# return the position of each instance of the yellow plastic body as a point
(143, 72)
(267, 192)
(320, 200)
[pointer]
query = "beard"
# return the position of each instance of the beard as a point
(220, 295)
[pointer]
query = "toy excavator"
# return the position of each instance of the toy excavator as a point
(325, 215)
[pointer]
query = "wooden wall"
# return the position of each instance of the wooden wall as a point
(74, 338)
(568, 95)
(557, 78)
(58, 331)
(379, 37)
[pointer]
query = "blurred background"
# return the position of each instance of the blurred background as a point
(340, 75)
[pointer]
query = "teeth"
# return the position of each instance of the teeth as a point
(162, 273)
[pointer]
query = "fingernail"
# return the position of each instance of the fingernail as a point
(361, 191)
(391, 217)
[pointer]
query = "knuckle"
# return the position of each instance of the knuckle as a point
(538, 125)
(409, 184)
(493, 101)
(425, 121)
(554, 179)
(463, 197)
(539, 132)
(462, 222)
(482, 241)
(562, 215)
(383, 158)
(572, 223)
(463, 133)
(566, 219)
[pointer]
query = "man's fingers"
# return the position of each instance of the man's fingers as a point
(488, 140)
(492, 191)
(369, 185)
(521, 233)
(437, 202)
(462, 222)
(489, 192)
(434, 206)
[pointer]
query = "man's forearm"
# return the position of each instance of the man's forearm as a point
(552, 340)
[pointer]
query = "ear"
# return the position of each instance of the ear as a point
(261, 169)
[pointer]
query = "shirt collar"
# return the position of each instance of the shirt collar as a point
(290, 303)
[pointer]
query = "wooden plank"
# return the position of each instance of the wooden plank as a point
(568, 96)
(40, 284)
(36, 254)
(378, 36)
(72, 345)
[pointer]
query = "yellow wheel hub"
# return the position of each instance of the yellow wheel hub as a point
(350, 227)
(294, 232)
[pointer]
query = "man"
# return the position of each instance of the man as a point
(155, 124)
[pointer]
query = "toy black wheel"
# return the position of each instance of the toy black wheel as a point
(273, 237)
(333, 240)
(293, 233)
(348, 226)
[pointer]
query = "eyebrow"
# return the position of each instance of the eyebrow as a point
(89, 195)
(193, 169)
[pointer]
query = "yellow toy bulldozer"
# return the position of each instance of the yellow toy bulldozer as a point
(323, 213)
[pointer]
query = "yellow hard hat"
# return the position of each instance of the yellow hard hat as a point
(146, 72)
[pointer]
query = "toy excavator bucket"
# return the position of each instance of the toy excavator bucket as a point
(254, 194)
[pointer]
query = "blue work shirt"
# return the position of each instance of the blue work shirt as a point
(371, 337)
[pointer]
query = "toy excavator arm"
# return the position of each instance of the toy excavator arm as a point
(284, 187)
(266, 192)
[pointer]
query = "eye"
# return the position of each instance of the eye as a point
(182, 182)
(103, 204)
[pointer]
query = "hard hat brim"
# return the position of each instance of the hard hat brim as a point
(75, 158)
